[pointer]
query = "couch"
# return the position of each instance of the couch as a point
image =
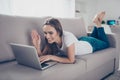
(16, 29)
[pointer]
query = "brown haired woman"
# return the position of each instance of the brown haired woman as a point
(62, 46)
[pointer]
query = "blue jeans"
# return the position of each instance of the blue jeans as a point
(97, 39)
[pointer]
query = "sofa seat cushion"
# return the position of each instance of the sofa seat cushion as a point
(14, 71)
(98, 58)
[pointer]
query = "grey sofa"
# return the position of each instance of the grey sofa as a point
(17, 29)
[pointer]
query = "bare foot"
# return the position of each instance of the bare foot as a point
(95, 19)
(101, 16)
(98, 18)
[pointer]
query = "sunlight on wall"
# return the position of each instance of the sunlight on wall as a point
(57, 8)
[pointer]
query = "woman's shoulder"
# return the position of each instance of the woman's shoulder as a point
(65, 33)
(69, 38)
(68, 35)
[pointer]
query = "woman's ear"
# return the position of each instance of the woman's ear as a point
(59, 34)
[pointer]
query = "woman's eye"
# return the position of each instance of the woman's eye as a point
(50, 32)
(45, 33)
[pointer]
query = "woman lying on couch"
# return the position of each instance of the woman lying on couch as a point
(61, 43)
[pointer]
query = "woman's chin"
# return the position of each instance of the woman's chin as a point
(50, 42)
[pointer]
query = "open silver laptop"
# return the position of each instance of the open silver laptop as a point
(27, 55)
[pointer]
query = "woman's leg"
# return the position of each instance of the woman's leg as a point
(97, 20)
(101, 35)
(94, 33)
(98, 32)
(101, 41)
(98, 39)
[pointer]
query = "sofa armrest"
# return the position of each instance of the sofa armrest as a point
(112, 40)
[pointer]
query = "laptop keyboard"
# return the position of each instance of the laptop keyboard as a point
(44, 65)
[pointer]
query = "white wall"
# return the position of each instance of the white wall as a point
(63, 8)
(57, 8)
(38, 8)
(93, 6)
(5, 7)
(111, 7)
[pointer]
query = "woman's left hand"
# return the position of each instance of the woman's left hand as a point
(45, 58)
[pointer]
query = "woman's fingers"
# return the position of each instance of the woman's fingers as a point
(44, 58)
(39, 39)
(36, 40)
(34, 35)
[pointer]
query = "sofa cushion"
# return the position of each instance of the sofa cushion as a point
(16, 30)
(14, 71)
(98, 58)
(74, 25)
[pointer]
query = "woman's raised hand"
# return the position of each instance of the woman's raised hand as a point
(36, 40)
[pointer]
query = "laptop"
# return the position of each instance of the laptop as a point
(27, 55)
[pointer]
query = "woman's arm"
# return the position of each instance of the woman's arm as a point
(69, 59)
(40, 53)
(36, 40)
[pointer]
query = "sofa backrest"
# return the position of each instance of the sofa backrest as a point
(16, 29)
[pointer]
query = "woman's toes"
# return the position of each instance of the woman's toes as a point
(102, 16)
(95, 19)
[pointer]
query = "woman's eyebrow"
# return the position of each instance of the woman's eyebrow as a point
(47, 31)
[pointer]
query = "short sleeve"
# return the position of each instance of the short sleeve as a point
(69, 38)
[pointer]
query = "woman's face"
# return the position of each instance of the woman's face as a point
(50, 33)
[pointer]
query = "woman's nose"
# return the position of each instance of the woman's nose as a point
(47, 36)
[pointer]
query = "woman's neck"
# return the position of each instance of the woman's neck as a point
(59, 42)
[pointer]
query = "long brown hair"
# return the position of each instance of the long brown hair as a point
(55, 23)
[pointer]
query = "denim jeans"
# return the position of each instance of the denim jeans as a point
(97, 39)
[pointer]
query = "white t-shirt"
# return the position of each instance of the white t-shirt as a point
(81, 47)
